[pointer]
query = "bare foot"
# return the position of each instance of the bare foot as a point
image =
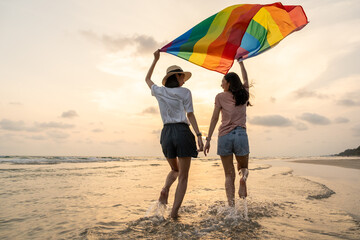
(174, 216)
(244, 172)
(231, 203)
(164, 194)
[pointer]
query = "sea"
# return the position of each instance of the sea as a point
(47, 197)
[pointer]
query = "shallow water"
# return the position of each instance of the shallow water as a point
(115, 198)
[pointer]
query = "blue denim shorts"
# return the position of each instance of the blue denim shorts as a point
(235, 142)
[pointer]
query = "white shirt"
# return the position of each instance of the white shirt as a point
(173, 103)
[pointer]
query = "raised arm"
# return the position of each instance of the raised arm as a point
(214, 120)
(244, 75)
(151, 69)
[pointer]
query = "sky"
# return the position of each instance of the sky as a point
(72, 78)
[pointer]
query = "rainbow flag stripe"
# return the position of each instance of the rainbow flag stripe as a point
(237, 32)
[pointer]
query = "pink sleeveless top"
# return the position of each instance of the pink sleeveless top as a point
(232, 116)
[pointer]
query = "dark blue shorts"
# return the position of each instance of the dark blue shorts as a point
(177, 140)
(235, 142)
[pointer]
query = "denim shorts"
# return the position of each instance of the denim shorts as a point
(235, 142)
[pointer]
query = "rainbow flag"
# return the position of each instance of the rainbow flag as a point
(237, 32)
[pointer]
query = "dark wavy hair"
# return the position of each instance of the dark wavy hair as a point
(172, 82)
(238, 90)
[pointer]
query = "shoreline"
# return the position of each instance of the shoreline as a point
(340, 175)
(345, 163)
(337, 174)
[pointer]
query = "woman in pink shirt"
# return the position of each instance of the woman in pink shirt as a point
(232, 138)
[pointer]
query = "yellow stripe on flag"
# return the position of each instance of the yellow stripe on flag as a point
(216, 28)
(264, 18)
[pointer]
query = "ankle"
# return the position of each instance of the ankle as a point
(244, 173)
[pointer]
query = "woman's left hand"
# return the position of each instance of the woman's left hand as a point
(207, 148)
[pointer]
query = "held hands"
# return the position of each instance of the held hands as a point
(200, 144)
(207, 147)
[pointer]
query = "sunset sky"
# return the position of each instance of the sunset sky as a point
(72, 78)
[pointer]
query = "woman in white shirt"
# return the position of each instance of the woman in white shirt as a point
(177, 141)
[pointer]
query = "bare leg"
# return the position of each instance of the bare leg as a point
(242, 166)
(229, 170)
(170, 179)
(184, 166)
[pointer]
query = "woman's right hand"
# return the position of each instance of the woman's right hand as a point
(157, 55)
(200, 144)
(207, 147)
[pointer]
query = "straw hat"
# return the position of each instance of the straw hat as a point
(173, 70)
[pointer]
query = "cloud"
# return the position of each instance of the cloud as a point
(341, 67)
(86, 141)
(300, 126)
(16, 103)
(347, 10)
(10, 125)
(315, 119)
(142, 43)
(57, 135)
(7, 124)
(119, 132)
(115, 142)
(69, 114)
(304, 93)
(150, 110)
(37, 137)
(271, 121)
(341, 120)
(97, 130)
(156, 132)
(356, 131)
(57, 125)
(348, 103)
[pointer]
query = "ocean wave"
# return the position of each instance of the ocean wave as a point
(287, 172)
(324, 192)
(299, 186)
(260, 167)
(49, 160)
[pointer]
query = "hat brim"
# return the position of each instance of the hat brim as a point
(187, 75)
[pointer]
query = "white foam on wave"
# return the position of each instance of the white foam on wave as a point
(44, 160)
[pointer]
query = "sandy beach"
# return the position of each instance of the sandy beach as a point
(115, 198)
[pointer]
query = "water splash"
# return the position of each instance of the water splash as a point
(241, 207)
(199, 221)
(156, 209)
(245, 210)
(232, 215)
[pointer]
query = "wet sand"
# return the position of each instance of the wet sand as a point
(346, 163)
(341, 179)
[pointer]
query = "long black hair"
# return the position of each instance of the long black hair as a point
(240, 94)
(172, 82)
